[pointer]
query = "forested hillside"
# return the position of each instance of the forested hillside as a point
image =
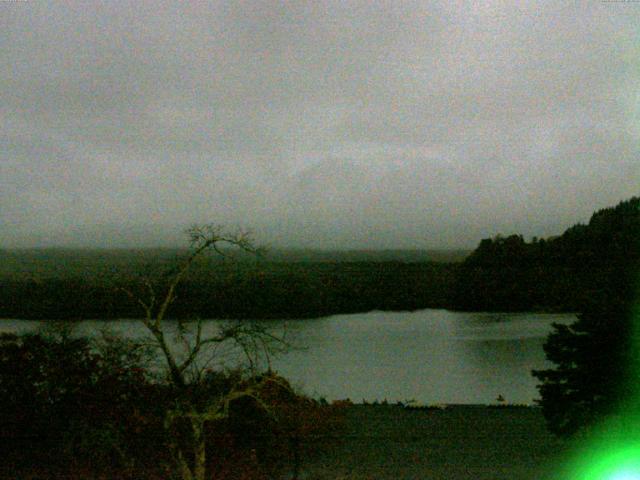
(561, 273)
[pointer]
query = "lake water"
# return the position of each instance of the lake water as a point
(432, 356)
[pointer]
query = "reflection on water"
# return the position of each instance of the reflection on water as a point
(433, 356)
(430, 355)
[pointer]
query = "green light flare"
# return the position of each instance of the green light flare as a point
(613, 463)
(625, 475)
(611, 451)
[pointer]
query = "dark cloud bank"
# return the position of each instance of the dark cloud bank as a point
(319, 124)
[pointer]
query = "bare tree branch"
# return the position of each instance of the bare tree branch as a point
(254, 340)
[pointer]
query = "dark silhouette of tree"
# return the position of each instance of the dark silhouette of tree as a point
(196, 406)
(594, 371)
(67, 399)
(596, 357)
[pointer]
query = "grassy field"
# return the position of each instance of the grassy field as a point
(459, 442)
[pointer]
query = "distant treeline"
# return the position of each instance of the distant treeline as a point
(260, 289)
(561, 273)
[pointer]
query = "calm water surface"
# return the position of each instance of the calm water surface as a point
(432, 356)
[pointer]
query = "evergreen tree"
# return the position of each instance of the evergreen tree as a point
(595, 366)
(596, 357)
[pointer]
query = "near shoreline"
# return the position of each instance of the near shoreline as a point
(459, 442)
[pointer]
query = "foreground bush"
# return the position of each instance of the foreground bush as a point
(74, 408)
(64, 403)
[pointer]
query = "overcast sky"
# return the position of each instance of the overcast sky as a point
(321, 124)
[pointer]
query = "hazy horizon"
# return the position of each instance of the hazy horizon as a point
(323, 125)
(174, 237)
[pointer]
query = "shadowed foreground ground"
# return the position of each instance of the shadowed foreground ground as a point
(459, 442)
(456, 443)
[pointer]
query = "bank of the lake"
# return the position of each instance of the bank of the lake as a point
(455, 443)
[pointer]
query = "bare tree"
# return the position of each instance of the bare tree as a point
(185, 372)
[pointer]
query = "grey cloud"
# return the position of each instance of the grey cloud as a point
(329, 124)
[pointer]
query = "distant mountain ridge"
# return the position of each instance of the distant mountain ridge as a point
(87, 262)
(388, 255)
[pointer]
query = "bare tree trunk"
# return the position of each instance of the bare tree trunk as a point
(191, 456)
(199, 448)
(295, 443)
(183, 465)
(176, 375)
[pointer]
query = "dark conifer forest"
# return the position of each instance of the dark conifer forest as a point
(555, 274)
